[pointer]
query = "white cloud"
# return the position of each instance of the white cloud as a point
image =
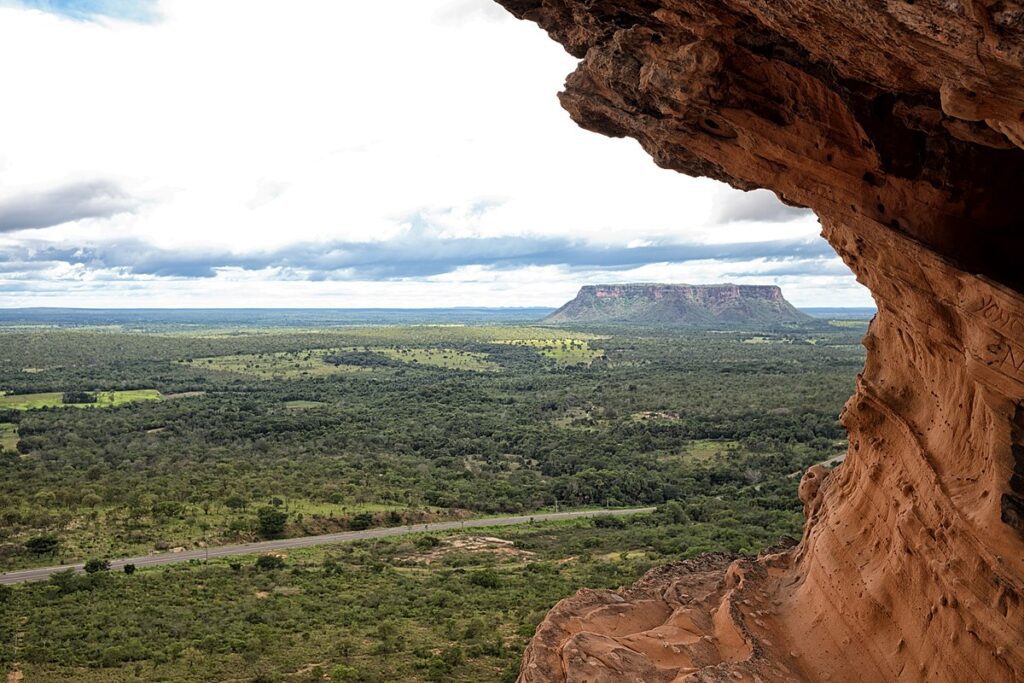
(246, 127)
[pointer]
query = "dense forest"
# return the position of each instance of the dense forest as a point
(116, 442)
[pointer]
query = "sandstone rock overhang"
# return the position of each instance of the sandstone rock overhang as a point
(901, 124)
(905, 113)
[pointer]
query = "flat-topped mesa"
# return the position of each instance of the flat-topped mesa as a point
(679, 306)
(693, 292)
(901, 124)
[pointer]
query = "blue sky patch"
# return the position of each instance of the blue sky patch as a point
(86, 10)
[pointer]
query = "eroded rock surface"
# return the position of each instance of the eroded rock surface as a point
(901, 123)
(678, 305)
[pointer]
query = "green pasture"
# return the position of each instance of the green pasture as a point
(104, 399)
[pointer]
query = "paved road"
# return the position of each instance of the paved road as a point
(41, 573)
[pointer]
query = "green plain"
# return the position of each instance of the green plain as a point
(104, 399)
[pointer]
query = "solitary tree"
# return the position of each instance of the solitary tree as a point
(271, 521)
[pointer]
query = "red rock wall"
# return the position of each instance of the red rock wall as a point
(900, 122)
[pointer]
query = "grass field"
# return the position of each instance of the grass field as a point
(452, 359)
(563, 350)
(8, 436)
(282, 365)
(104, 399)
(705, 449)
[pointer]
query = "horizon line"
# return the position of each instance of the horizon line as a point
(326, 308)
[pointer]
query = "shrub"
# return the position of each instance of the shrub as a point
(674, 511)
(168, 508)
(96, 565)
(344, 673)
(486, 578)
(235, 502)
(609, 522)
(266, 563)
(427, 542)
(42, 545)
(363, 520)
(129, 569)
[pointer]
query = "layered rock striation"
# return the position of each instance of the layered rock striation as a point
(901, 124)
(679, 306)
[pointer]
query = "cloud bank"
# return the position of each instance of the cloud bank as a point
(402, 153)
(409, 256)
(64, 204)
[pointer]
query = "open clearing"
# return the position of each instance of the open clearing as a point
(564, 350)
(104, 399)
(8, 436)
(303, 405)
(703, 450)
(280, 365)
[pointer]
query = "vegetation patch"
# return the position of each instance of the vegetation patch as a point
(711, 430)
(364, 611)
(705, 449)
(311, 363)
(564, 350)
(8, 436)
(680, 416)
(308, 363)
(303, 405)
(158, 524)
(184, 394)
(452, 359)
(664, 415)
(77, 399)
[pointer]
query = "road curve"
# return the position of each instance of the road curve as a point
(41, 573)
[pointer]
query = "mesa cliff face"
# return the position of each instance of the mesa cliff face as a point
(901, 123)
(679, 305)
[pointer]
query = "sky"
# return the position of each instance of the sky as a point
(313, 153)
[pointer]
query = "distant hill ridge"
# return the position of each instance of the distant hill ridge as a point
(679, 305)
